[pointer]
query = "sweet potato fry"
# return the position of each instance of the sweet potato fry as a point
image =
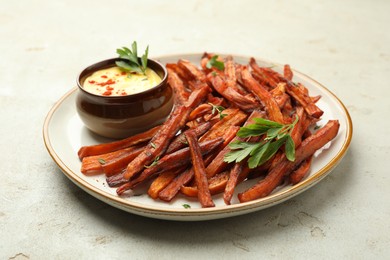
(119, 163)
(117, 145)
(179, 71)
(94, 164)
(217, 185)
(266, 79)
(297, 175)
(265, 97)
(284, 167)
(204, 195)
(170, 191)
(243, 102)
(180, 141)
(287, 72)
(161, 182)
(218, 164)
(200, 111)
(161, 140)
(304, 100)
(235, 118)
(192, 70)
(176, 160)
(177, 85)
(237, 174)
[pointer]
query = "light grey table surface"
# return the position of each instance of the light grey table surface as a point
(345, 45)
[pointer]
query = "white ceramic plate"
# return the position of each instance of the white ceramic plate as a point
(64, 134)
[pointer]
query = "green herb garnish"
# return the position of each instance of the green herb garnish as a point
(101, 161)
(152, 145)
(153, 163)
(218, 109)
(132, 62)
(316, 127)
(186, 206)
(214, 62)
(276, 135)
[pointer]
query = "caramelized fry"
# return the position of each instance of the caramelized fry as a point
(217, 185)
(160, 141)
(94, 164)
(204, 195)
(300, 173)
(235, 118)
(180, 141)
(175, 160)
(243, 102)
(180, 93)
(170, 191)
(284, 167)
(266, 98)
(117, 145)
(192, 70)
(161, 182)
(287, 72)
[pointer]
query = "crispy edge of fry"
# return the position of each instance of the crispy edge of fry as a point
(264, 96)
(180, 141)
(180, 93)
(170, 191)
(204, 195)
(192, 70)
(217, 185)
(232, 94)
(284, 167)
(287, 72)
(118, 164)
(159, 143)
(161, 182)
(117, 145)
(175, 160)
(297, 175)
(92, 165)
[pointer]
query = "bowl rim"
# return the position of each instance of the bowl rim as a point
(107, 64)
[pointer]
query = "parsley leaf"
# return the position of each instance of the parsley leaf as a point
(218, 109)
(214, 62)
(101, 161)
(186, 206)
(153, 163)
(131, 61)
(275, 135)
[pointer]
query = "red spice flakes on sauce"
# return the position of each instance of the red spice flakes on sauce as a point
(123, 93)
(108, 82)
(123, 73)
(91, 81)
(107, 93)
(103, 76)
(109, 88)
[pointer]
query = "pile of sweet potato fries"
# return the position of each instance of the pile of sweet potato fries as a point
(187, 153)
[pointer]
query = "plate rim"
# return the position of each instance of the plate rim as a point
(234, 209)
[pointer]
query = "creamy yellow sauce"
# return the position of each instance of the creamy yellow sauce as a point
(116, 82)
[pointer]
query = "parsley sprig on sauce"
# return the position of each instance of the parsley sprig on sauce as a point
(132, 63)
(258, 153)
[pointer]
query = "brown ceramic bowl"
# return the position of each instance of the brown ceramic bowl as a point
(122, 116)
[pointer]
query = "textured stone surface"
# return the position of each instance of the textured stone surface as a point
(345, 45)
